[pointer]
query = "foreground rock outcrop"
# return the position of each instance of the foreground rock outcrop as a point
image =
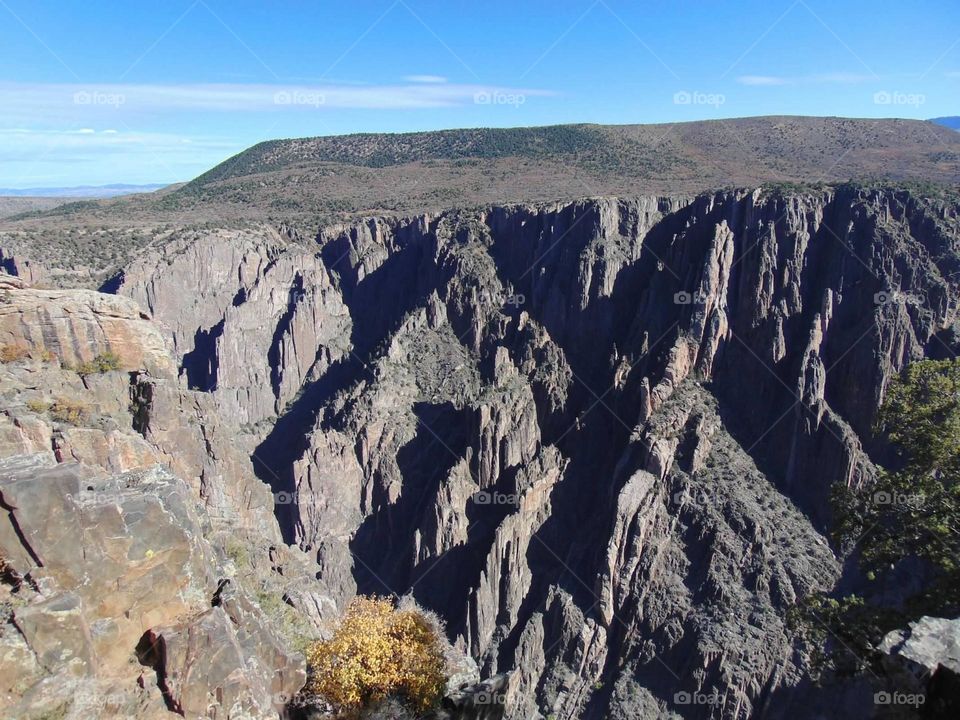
(141, 566)
(105, 565)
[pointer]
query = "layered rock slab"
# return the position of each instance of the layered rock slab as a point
(131, 520)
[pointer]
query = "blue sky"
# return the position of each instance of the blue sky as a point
(154, 92)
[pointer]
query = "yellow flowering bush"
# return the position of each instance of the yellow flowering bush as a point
(379, 651)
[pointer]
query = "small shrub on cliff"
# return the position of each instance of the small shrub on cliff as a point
(37, 406)
(236, 550)
(105, 362)
(290, 624)
(13, 352)
(16, 351)
(378, 652)
(69, 411)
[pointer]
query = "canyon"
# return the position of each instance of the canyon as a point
(598, 437)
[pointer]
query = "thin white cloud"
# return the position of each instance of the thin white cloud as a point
(81, 134)
(21, 142)
(761, 80)
(82, 100)
(834, 78)
(424, 78)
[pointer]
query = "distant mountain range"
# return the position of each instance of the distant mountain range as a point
(952, 121)
(90, 191)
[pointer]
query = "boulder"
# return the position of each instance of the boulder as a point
(923, 661)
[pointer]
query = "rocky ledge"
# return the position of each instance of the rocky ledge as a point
(142, 568)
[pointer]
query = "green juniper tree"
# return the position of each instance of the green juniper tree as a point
(909, 517)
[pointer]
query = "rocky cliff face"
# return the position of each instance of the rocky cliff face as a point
(141, 566)
(597, 437)
(242, 317)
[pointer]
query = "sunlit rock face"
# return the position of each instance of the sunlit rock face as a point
(142, 569)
